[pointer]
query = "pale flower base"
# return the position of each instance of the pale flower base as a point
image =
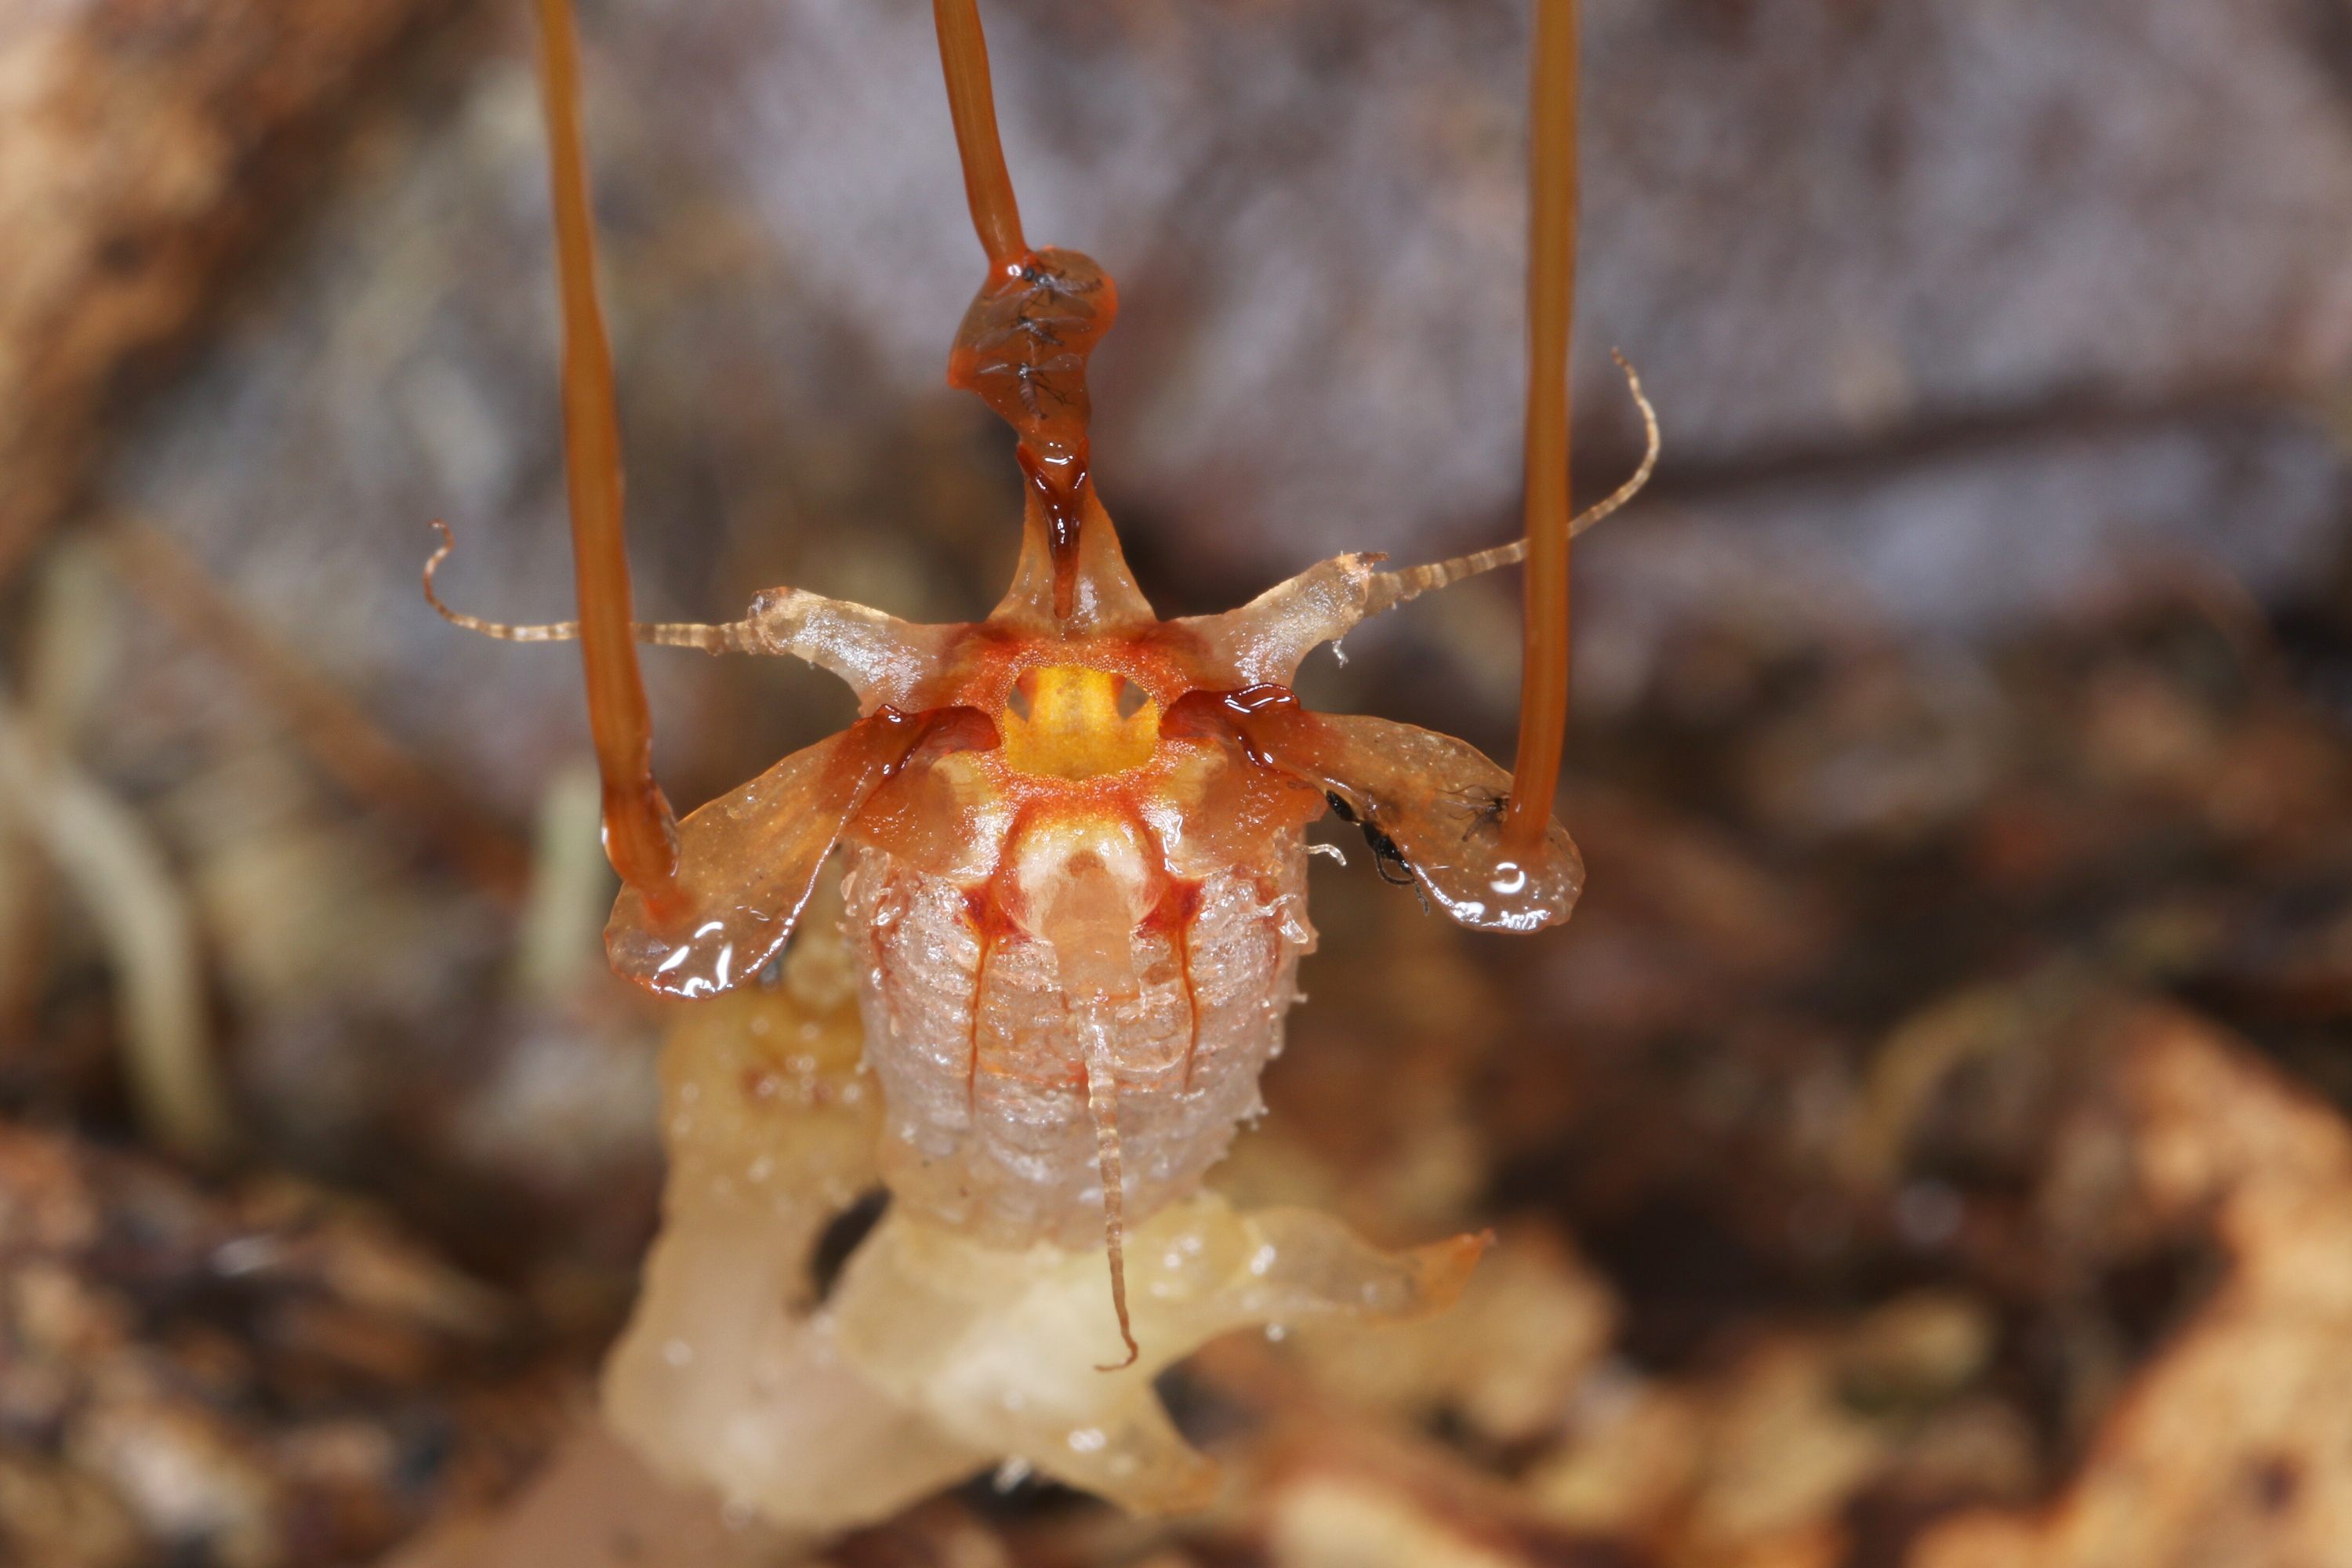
(933, 1357)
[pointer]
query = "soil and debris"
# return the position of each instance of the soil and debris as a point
(1927, 1146)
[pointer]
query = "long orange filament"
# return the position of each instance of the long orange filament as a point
(972, 102)
(640, 830)
(1552, 308)
(963, 53)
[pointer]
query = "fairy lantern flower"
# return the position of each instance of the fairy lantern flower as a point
(1074, 832)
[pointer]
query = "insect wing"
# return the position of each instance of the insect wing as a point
(746, 863)
(1435, 803)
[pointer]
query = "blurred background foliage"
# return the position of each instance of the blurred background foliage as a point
(1925, 1145)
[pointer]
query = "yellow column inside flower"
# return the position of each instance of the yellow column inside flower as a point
(1073, 728)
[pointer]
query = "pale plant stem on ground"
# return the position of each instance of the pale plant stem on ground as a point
(105, 853)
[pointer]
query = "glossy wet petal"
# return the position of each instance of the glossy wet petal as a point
(749, 861)
(1430, 806)
(1439, 802)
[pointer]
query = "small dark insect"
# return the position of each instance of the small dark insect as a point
(1388, 860)
(1484, 807)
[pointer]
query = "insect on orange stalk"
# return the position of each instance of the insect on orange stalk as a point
(1074, 832)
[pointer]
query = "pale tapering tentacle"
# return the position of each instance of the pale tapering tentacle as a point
(734, 637)
(1389, 589)
(884, 659)
(1102, 1103)
(1265, 640)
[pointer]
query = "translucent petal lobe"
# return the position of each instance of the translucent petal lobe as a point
(1430, 806)
(749, 861)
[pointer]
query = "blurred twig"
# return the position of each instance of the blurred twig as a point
(557, 942)
(107, 855)
(67, 650)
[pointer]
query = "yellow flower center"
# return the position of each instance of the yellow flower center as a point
(1069, 721)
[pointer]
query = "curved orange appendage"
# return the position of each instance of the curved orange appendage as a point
(640, 829)
(1552, 309)
(971, 104)
(749, 861)
(1024, 343)
(1432, 807)
(1023, 348)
